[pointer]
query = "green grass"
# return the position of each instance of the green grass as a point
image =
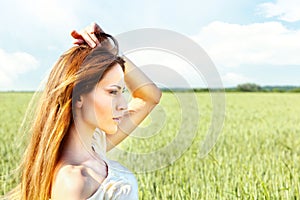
(12, 109)
(256, 156)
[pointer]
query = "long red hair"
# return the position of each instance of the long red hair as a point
(76, 72)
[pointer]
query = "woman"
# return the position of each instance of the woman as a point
(81, 115)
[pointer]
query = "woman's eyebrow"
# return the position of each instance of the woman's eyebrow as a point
(119, 87)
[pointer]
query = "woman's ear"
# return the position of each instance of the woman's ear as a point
(79, 102)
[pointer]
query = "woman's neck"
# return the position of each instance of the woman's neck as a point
(78, 145)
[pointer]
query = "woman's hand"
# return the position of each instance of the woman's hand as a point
(87, 35)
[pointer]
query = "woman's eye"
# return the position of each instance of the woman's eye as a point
(113, 92)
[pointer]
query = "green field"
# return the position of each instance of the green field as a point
(257, 155)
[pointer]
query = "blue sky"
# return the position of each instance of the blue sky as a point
(248, 40)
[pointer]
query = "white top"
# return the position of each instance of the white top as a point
(120, 183)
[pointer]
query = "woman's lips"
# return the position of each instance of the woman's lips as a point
(117, 119)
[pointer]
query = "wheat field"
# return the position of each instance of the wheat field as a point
(257, 154)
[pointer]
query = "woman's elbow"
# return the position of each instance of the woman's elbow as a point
(156, 96)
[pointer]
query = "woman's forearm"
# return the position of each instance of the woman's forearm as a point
(139, 84)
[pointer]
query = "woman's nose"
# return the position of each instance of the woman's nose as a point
(122, 103)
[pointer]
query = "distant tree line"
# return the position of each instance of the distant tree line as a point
(252, 87)
(245, 87)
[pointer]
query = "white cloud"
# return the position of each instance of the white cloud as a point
(47, 21)
(52, 12)
(233, 45)
(233, 79)
(286, 10)
(171, 71)
(14, 64)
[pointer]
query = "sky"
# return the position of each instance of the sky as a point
(255, 41)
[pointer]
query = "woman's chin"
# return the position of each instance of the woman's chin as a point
(111, 131)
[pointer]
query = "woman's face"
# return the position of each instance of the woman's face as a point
(104, 106)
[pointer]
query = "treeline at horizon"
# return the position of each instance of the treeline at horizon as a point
(245, 87)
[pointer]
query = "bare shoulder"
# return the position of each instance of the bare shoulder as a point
(72, 182)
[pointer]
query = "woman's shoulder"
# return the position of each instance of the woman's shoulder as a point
(73, 182)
